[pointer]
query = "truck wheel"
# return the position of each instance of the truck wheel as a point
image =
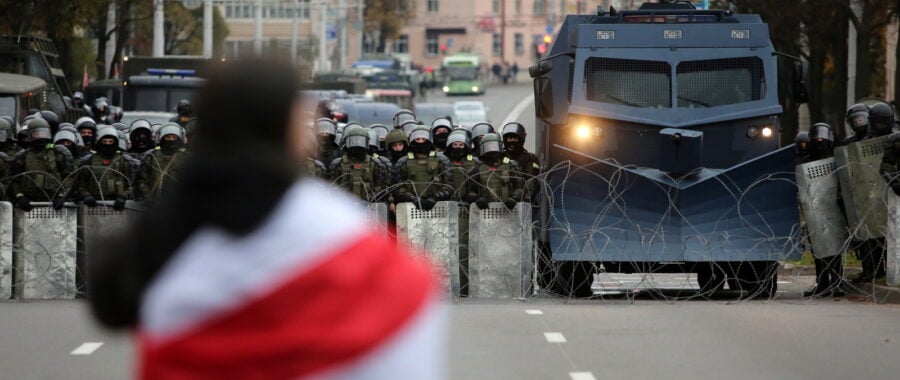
(573, 279)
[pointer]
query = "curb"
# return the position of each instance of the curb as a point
(878, 293)
(810, 270)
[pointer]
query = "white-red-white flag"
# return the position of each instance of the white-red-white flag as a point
(84, 79)
(313, 293)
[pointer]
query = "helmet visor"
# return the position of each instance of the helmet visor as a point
(325, 127)
(490, 146)
(357, 142)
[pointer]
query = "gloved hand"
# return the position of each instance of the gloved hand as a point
(119, 204)
(427, 203)
(482, 203)
(23, 203)
(58, 202)
(89, 201)
(510, 203)
(471, 198)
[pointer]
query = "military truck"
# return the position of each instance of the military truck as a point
(660, 131)
(21, 93)
(38, 57)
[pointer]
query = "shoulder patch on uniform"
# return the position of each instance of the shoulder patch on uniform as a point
(505, 160)
(468, 157)
(432, 154)
(535, 165)
(410, 155)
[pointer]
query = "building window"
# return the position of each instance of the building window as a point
(495, 6)
(431, 44)
(401, 45)
(540, 7)
(520, 44)
(518, 7)
(498, 44)
(432, 5)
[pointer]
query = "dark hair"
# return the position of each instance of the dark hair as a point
(236, 175)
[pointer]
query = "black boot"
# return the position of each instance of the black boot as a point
(821, 280)
(864, 254)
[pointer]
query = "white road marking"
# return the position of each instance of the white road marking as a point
(87, 348)
(534, 312)
(554, 337)
(582, 376)
(518, 109)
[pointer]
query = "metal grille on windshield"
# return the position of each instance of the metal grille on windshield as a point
(634, 83)
(719, 82)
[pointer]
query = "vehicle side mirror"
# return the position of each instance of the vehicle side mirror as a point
(540, 68)
(543, 102)
(801, 82)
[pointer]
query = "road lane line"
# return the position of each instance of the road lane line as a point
(554, 337)
(86, 348)
(534, 312)
(582, 376)
(517, 110)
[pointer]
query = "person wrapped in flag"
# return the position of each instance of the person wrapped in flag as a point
(244, 271)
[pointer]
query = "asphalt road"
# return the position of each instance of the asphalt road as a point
(550, 338)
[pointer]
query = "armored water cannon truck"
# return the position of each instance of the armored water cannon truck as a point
(660, 128)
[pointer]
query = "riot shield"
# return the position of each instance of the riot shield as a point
(6, 245)
(893, 240)
(437, 232)
(377, 214)
(463, 248)
(862, 187)
(501, 261)
(44, 254)
(817, 185)
(97, 224)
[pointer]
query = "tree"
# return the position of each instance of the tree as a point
(384, 19)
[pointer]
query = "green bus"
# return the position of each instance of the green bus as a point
(462, 75)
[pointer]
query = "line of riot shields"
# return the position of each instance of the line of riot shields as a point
(848, 194)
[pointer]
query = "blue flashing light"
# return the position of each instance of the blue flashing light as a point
(176, 72)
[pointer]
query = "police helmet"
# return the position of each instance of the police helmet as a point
(356, 138)
(78, 95)
(71, 128)
(420, 131)
(821, 131)
(139, 123)
(39, 129)
(107, 132)
(380, 130)
(184, 107)
(442, 122)
(881, 119)
(325, 125)
(481, 129)
(86, 122)
(373, 139)
(459, 136)
(409, 126)
(352, 127)
(514, 128)
(51, 117)
(120, 126)
(11, 121)
(123, 140)
(858, 118)
(65, 135)
(489, 143)
(154, 131)
(169, 129)
(402, 116)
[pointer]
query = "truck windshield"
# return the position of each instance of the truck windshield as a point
(719, 82)
(633, 83)
(8, 106)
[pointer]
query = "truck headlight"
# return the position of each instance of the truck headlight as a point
(474, 88)
(446, 89)
(767, 132)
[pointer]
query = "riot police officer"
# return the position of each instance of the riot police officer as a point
(409, 125)
(69, 140)
(422, 177)
(801, 146)
(184, 113)
(356, 171)
(858, 119)
(159, 167)
(396, 145)
(52, 119)
(497, 178)
(402, 116)
(141, 138)
(43, 171)
(87, 127)
(440, 131)
(873, 251)
(462, 162)
(108, 173)
(101, 112)
(381, 131)
(479, 130)
(514, 135)
(328, 149)
(829, 269)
